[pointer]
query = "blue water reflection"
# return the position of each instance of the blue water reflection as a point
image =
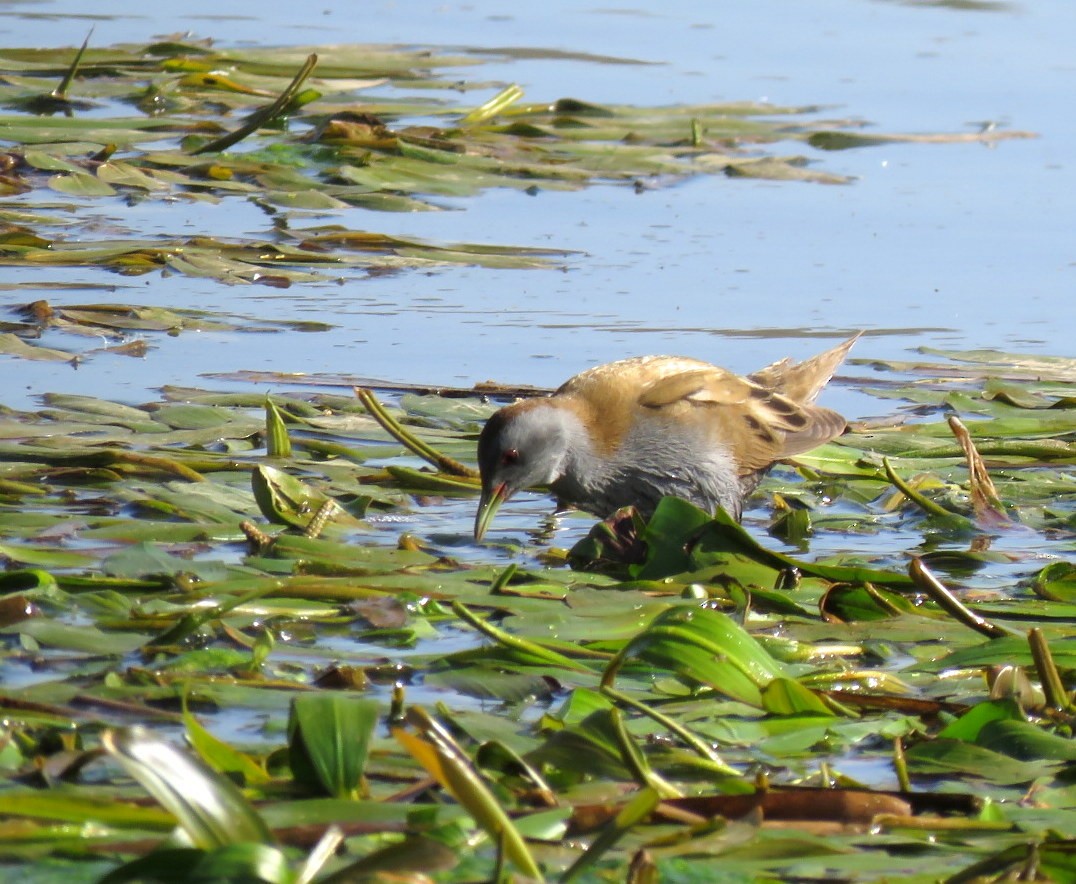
(957, 245)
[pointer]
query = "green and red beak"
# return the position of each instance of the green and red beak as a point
(488, 504)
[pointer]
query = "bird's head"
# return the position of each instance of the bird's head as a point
(522, 446)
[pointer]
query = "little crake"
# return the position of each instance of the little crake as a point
(634, 431)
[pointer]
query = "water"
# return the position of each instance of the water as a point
(958, 245)
(955, 245)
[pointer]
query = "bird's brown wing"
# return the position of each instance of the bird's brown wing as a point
(703, 386)
(823, 425)
(607, 397)
(759, 424)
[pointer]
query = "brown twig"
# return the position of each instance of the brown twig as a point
(933, 587)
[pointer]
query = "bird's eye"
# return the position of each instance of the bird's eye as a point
(510, 458)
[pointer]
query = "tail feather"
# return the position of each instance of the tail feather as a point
(803, 381)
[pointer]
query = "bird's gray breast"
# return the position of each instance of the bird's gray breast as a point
(653, 461)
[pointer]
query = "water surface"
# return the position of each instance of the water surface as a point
(951, 245)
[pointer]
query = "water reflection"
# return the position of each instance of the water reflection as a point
(930, 245)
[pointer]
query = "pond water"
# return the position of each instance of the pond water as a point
(948, 245)
(955, 245)
(944, 245)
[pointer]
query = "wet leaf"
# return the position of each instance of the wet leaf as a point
(970, 724)
(222, 756)
(278, 443)
(952, 758)
(1056, 582)
(284, 499)
(208, 806)
(13, 345)
(731, 652)
(702, 646)
(444, 761)
(81, 184)
(1025, 741)
(785, 696)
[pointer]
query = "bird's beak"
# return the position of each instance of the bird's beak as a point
(488, 504)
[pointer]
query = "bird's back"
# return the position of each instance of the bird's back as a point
(608, 398)
(758, 419)
(630, 374)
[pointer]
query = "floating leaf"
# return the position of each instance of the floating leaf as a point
(1056, 582)
(13, 345)
(953, 758)
(146, 590)
(81, 184)
(1025, 741)
(703, 646)
(284, 499)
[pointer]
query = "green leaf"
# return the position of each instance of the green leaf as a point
(443, 759)
(1025, 741)
(220, 755)
(674, 520)
(681, 537)
(209, 807)
(704, 646)
(1004, 650)
(74, 807)
(1056, 582)
(784, 696)
(851, 603)
(948, 758)
(29, 580)
(234, 862)
(81, 184)
(85, 638)
(168, 864)
(244, 862)
(277, 441)
(284, 499)
(635, 812)
(968, 726)
(328, 742)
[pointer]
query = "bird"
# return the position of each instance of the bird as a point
(636, 430)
